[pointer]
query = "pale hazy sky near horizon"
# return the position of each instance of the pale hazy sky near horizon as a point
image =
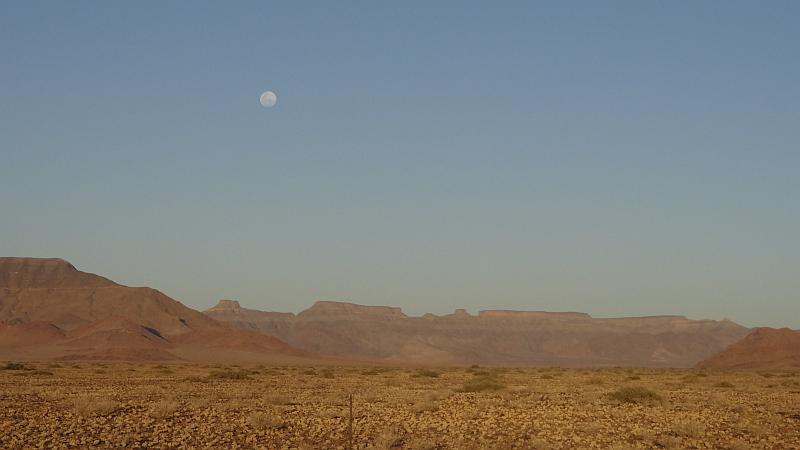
(617, 158)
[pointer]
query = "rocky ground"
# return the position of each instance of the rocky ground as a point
(62, 405)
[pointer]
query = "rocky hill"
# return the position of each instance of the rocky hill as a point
(763, 348)
(50, 309)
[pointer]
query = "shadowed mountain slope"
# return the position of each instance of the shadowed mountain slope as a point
(492, 337)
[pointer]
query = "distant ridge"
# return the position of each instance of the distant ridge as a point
(493, 337)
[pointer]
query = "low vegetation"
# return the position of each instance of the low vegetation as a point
(635, 394)
(229, 375)
(88, 405)
(163, 409)
(482, 383)
(476, 408)
(13, 366)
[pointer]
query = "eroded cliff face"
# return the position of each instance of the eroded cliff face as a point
(524, 338)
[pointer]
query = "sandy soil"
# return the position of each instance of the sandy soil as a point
(62, 405)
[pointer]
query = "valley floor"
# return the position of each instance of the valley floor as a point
(49, 405)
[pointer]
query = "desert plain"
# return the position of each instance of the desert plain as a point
(147, 405)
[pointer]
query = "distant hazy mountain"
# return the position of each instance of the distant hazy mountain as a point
(522, 338)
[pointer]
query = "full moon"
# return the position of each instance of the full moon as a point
(268, 99)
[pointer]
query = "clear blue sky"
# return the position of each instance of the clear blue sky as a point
(617, 158)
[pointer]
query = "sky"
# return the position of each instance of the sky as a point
(620, 158)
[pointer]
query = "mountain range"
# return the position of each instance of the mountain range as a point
(51, 310)
(512, 338)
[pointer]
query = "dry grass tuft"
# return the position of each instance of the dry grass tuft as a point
(260, 420)
(276, 398)
(87, 406)
(163, 409)
(689, 428)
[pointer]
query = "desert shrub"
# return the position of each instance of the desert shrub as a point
(634, 377)
(724, 384)
(14, 366)
(196, 403)
(308, 372)
(228, 375)
(276, 398)
(387, 438)
(668, 441)
(481, 384)
(689, 428)
(87, 405)
(635, 394)
(163, 409)
(426, 373)
(335, 412)
(546, 377)
(262, 420)
(424, 404)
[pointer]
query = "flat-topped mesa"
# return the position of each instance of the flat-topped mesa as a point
(226, 305)
(325, 309)
(23, 273)
(660, 320)
(460, 312)
(508, 314)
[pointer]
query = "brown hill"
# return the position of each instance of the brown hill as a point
(49, 309)
(763, 348)
(19, 273)
(491, 338)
